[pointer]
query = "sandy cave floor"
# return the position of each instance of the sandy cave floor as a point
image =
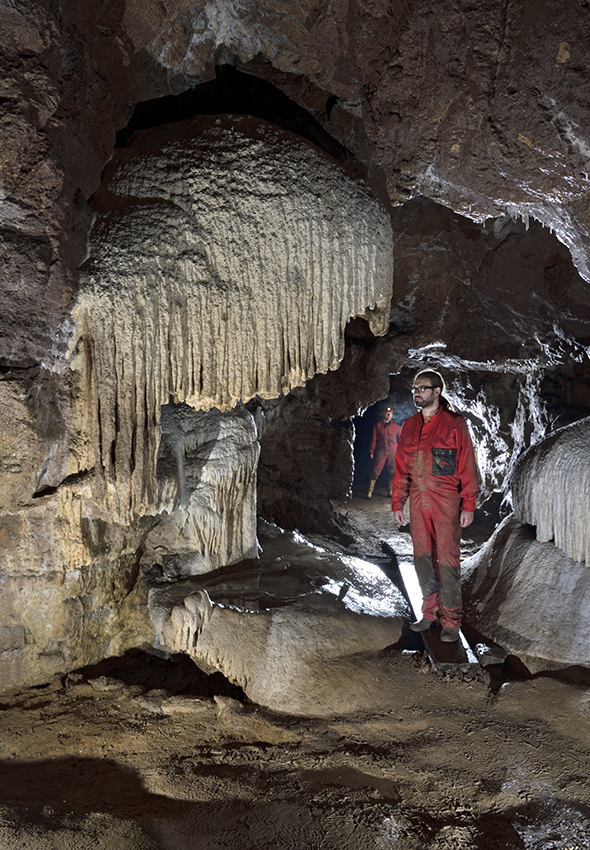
(98, 763)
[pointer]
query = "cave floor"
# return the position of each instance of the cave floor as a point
(102, 765)
(449, 765)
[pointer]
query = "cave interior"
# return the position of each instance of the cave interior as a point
(231, 236)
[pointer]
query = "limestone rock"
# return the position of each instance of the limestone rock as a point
(551, 489)
(530, 598)
(66, 575)
(226, 262)
(72, 586)
(206, 475)
(288, 632)
(71, 590)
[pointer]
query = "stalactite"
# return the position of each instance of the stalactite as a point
(206, 477)
(225, 261)
(551, 489)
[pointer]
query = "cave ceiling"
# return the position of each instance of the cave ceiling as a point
(477, 105)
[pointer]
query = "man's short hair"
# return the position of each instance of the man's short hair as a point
(435, 378)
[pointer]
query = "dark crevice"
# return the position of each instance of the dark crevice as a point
(74, 478)
(176, 675)
(237, 93)
(13, 371)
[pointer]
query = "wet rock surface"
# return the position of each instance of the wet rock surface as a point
(291, 629)
(530, 598)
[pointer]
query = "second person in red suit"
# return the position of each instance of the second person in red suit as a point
(383, 448)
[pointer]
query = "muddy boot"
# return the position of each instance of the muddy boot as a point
(372, 483)
(390, 487)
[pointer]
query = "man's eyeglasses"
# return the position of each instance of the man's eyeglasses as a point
(421, 389)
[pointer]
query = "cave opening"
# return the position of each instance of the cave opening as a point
(399, 399)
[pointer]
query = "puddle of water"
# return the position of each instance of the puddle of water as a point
(291, 568)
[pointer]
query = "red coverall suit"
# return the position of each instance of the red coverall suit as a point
(435, 466)
(383, 447)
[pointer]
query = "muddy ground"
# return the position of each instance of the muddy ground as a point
(147, 753)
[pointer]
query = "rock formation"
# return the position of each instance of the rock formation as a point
(527, 589)
(530, 598)
(225, 262)
(206, 477)
(110, 333)
(286, 632)
(551, 490)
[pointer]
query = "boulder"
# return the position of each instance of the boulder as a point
(299, 634)
(530, 598)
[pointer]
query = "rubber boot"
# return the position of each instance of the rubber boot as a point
(372, 483)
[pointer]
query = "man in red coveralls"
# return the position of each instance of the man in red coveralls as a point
(435, 466)
(382, 448)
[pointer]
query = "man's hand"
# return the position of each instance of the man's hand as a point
(371, 455)
(465, 519)
(400, 519)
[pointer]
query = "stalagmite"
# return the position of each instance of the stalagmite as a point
(551, 489)
(225, 261)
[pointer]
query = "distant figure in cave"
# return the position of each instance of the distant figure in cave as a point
(435, 466)
(382, 449)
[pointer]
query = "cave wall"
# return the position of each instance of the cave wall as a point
(225, 259)
(479, 106)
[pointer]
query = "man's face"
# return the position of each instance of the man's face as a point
(388, 415)
(424, 393)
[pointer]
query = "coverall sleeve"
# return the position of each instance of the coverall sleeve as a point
(373, 439)
(467, 470)
(400, 488)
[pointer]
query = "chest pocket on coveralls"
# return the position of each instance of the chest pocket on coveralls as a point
(444, 461)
